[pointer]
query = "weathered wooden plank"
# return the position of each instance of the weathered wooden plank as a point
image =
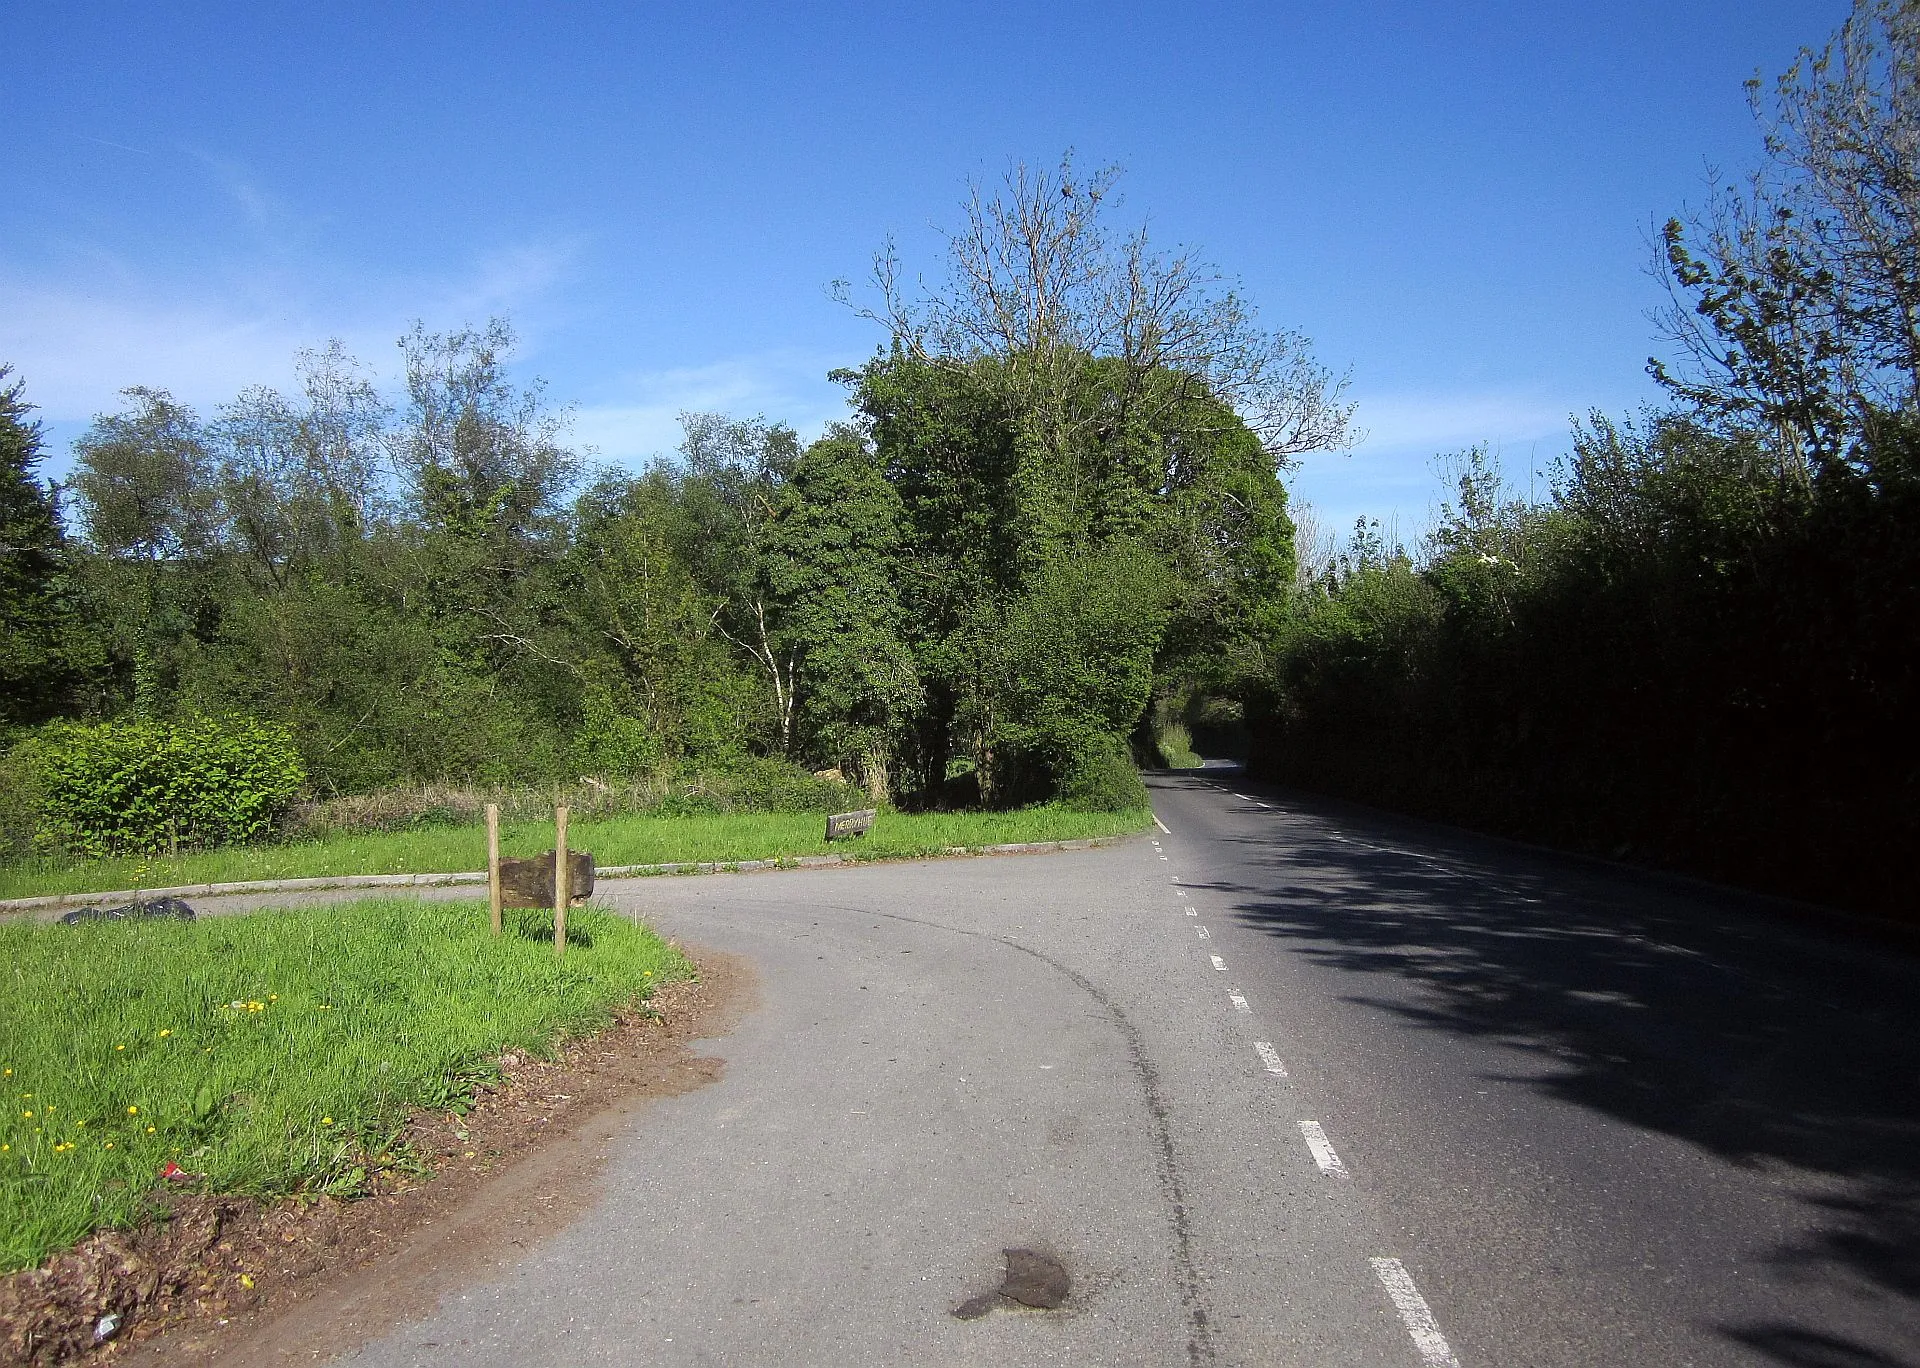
(850, 823)
(529, 883)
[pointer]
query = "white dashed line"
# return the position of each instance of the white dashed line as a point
(1258, 803)
(1270, 1057)
(1162, 825)
(1218, 963)
(1415, 1313)
(1243, 797)
(1323, 1154)
(1239, 1003)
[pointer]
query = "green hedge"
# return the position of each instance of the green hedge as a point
(128, 787)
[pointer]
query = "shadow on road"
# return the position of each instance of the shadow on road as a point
(1698, 1015)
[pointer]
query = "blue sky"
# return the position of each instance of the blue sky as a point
(1453, 200)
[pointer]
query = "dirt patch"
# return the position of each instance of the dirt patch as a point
(242, 1281)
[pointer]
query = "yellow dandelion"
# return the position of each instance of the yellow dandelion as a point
(273, 997)
(109, 1144)
(133, 1111)
(119, 1047)
(149, 1130)
(5, 1148)
(167, 1032)
(28, 1115)
(246, 1280)
(7, 1074)
(326, 1120)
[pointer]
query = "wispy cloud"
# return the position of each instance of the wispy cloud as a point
(639, 417)
(78, 344)
(1392, 474)
(1432, 423)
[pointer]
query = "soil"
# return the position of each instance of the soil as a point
(236, 1280)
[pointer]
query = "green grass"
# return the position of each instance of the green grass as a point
(622, 840)
(277, 1052)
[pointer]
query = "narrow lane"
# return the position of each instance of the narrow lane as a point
(951, 1059)
(1603, 1118)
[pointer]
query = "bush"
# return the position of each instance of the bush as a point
(124, 788)
(1104, 781)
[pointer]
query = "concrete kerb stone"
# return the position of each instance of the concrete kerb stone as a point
(53, 901)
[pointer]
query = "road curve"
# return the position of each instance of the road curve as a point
(1285, 1083)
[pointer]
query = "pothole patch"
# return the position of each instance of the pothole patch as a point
(1032, 1279)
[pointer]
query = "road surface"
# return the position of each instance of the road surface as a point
(1284, 1083)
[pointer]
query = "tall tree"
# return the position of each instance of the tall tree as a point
(38, 626)
(732, 473)
(833, 565)
(149, 504)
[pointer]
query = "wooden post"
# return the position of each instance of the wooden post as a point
(562, 881)
(493, 864)
(173, 839)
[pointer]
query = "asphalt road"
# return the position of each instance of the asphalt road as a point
(1288, 1084)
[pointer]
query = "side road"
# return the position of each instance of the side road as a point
(950, 1060)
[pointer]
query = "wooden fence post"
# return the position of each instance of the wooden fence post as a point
(562, 881)
(493, 865)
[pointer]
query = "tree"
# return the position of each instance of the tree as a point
(480, 457)
(732, 473)
(834, 567)
(144, 481)
(38, 628)
(1796, 299)
(300, 478)
(1085, 338)
(149, 506)
(660, 684)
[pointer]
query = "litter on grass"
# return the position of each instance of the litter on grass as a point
(163, 909)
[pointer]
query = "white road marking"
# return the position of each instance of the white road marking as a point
(1203, 932)
(1193, 911)
(1243, 797)
(1218, 963)
(1162, 825)
(1270, 1057)
(1415, 1313)
(1258, 803)
(1180, 892)
(1323, 1154)
(1239, 1003)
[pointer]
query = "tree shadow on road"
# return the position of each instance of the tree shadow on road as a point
(1696, 1014)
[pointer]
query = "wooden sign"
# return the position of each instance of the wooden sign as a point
(850, 823)
(529, 883)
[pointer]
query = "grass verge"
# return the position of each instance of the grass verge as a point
(272, 1053)
(621, 840)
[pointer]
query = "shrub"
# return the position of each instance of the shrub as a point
(1103, 780)
(127, 787)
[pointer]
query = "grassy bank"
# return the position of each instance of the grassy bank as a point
(272, 1053)
(619, 840)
